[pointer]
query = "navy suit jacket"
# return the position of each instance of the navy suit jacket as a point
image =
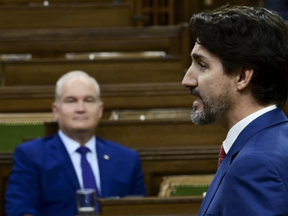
(253, 178)
(43, 180)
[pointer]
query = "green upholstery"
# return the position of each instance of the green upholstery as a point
(12, 134)
(189, 190)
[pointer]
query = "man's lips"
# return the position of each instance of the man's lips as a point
(196, 103)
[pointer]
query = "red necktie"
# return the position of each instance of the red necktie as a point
(222, 155)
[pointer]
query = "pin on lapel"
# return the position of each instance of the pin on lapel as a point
(106, 157)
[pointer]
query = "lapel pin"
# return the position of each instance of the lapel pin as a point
(106, 157)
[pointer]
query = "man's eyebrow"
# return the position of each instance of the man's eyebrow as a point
(68, 96)
(197, 56)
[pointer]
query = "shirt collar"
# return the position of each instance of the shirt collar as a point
(71, 145)
(234, 132)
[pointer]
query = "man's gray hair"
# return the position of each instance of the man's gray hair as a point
(74, 74)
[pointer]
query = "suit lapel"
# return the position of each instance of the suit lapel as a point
(214, 185)
(268, 119)
(105, 161)
(61, 155)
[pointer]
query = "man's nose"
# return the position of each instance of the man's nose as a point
(189, 78)
(80, 106)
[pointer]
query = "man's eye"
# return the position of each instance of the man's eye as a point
(202, 66)
(90, 100)
(69, 101)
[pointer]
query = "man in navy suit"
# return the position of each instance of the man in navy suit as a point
(47, 171)
(239, 74)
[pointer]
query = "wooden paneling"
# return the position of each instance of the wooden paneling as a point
(41, 2)
(156, 133)
(57, 42)
(168, 161)
(66, 16)
(60, 41)
(105, 71)
(5, 169)
(151, 205)
(156, 12)
(116, 96)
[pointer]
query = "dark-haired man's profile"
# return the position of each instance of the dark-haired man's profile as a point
(239, 73)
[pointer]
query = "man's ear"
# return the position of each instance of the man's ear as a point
(244, 77)
(55, 110)
(101, 109)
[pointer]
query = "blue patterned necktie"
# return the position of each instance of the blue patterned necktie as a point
(87, 173)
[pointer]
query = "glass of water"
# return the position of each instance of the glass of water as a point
(86, 201)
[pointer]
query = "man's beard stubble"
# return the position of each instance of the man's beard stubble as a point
(213, 108)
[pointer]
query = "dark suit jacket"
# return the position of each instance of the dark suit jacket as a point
(253, 178)
(43, 180)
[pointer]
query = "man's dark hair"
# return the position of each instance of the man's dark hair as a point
(245, 37)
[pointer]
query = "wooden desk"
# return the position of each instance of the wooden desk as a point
(66, 16)
(155, 133)
(150, 206)
(40, 2)
(115, 96)
(105, 71)
(6, 164)
(56, 42)
(160, 162)
(49, 42)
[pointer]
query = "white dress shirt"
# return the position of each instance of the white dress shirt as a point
(234, 132)
(72, 146)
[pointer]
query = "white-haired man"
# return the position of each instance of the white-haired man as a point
(48, 171)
